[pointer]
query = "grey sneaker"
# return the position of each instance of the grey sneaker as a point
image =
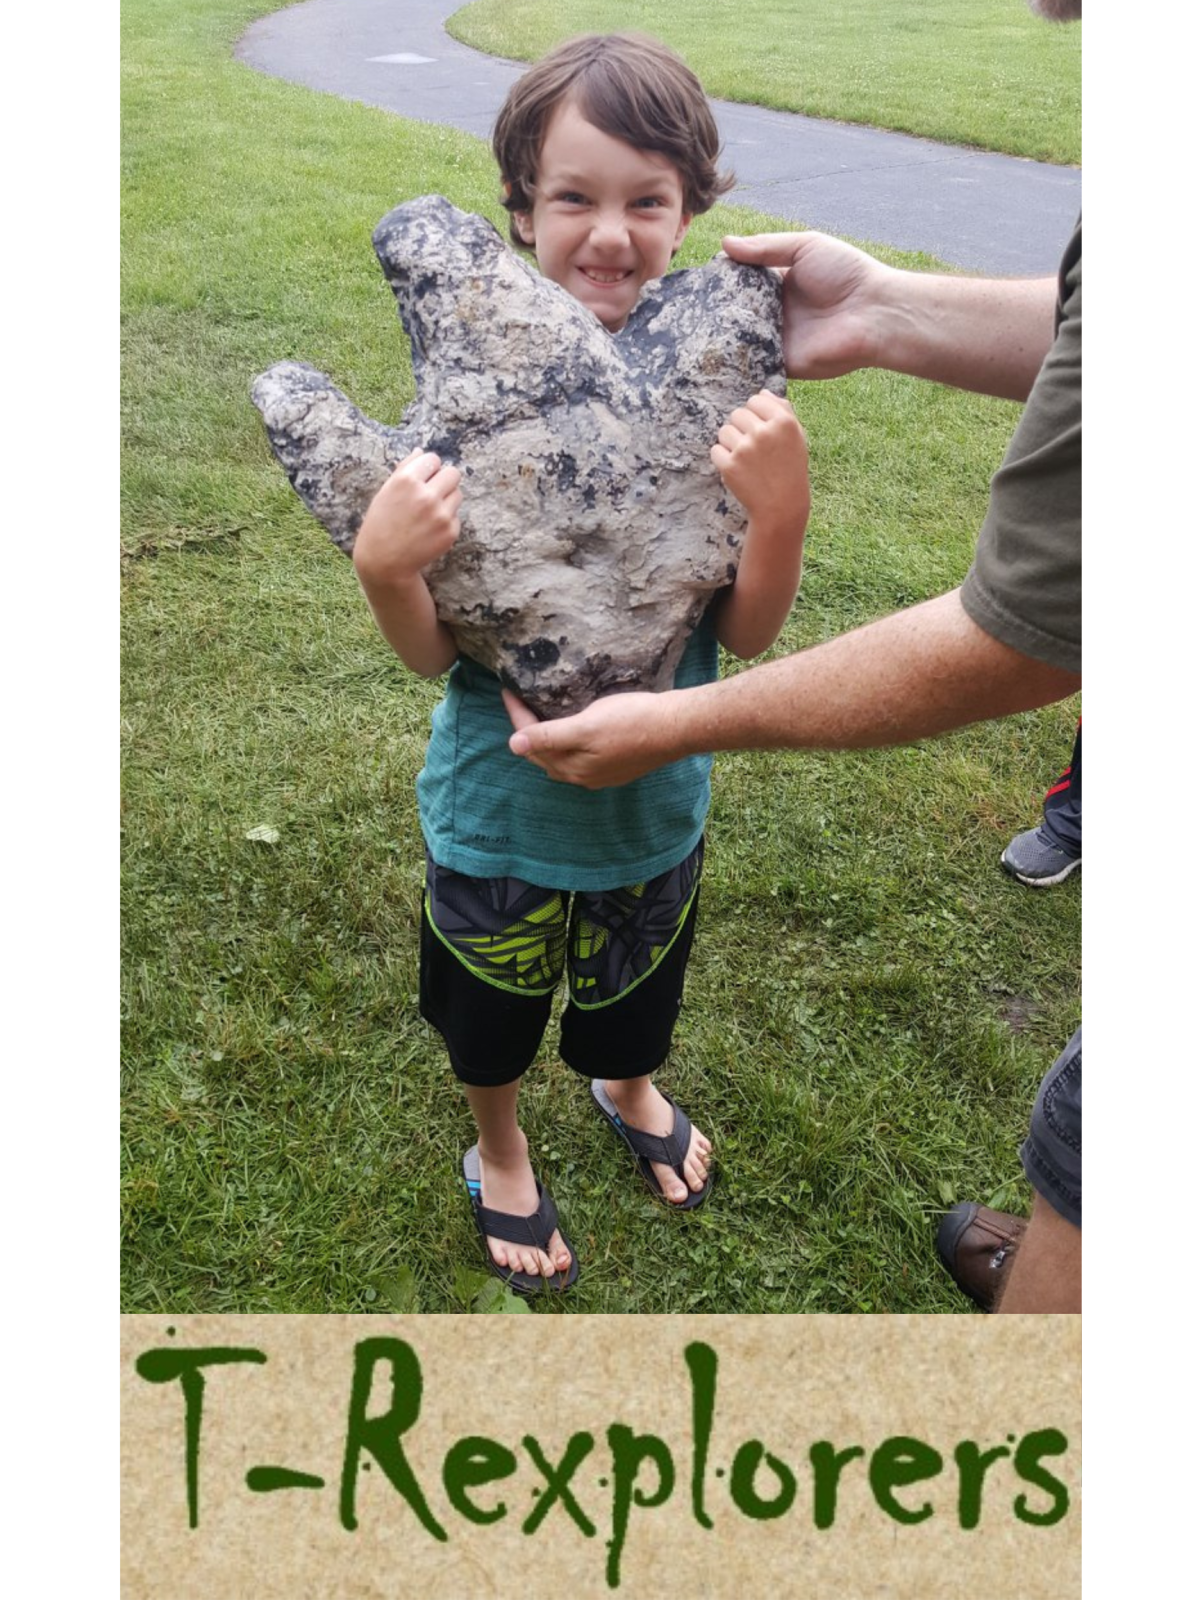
(1033, 858)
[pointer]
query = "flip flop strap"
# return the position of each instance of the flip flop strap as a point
(670, 1150)
(536, 1229)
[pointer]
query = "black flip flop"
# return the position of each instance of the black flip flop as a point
(536, 1230)
(647, 1147)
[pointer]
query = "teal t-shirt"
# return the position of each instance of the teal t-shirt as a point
(490, 814)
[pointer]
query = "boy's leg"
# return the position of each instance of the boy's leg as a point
(507, 1177)
(491, 955)
(627, 960)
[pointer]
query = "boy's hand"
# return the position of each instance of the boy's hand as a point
(412, 520)
(762, 456)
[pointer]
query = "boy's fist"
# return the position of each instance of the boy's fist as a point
(412, 520)
(762, 456)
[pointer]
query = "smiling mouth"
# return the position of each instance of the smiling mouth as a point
(605, 280)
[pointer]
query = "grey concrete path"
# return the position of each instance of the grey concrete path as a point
(986, 213)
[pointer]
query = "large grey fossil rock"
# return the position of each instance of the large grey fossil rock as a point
(594, 527)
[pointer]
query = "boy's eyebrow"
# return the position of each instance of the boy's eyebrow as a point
(565, 175)
(568, 178)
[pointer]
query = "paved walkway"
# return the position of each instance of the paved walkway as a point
(987, 213)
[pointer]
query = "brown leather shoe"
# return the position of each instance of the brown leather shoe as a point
(976, 1245)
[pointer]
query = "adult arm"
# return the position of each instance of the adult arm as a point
(843, 310)
(918, 672)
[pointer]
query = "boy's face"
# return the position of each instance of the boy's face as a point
(606, 216)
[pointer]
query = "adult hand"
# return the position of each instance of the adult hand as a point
(831, 297)
(613, 741)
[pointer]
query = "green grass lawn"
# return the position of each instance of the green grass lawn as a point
(975, 72)
(871, 1003)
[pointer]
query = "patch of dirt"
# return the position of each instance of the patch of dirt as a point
(1019, 1012)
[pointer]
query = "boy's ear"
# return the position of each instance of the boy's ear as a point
(685, 223)
(521, 219)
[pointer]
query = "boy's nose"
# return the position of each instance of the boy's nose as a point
(610, 230)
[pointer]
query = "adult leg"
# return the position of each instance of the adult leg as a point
(1062, 811)
(1005, 1263)
(1043, 856)
(1047, 1271)
(1047, 1274)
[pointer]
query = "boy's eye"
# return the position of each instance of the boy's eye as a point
(571, 198)
(649, 201)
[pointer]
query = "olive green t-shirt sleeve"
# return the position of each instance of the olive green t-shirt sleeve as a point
(1024, 587)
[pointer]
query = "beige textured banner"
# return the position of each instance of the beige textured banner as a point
(914, 1457)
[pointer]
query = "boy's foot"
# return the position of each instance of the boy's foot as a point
(507, 1184)
(1035, 859)
(643, 1109)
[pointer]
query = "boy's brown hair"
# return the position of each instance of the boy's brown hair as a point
(631, 87)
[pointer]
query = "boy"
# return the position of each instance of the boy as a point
(606, 149)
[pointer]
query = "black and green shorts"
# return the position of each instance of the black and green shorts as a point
(493, 952)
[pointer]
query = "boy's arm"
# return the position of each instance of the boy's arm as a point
(843, 310)
(411, 521)
(762, 456)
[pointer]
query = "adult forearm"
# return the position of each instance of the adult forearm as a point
(913, 674)
(984, 334)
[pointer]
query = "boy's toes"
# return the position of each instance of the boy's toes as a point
(695, 1165)
(557, 1258)
(695, 1172)
(528, 1259)
(670, 1183)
